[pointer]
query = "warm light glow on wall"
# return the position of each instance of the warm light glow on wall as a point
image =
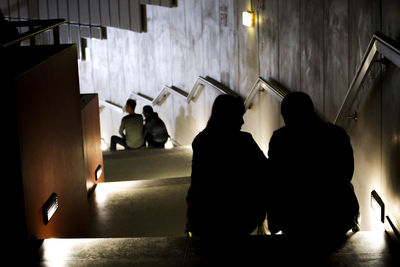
(248, 18)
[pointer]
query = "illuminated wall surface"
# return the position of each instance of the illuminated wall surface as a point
(307, 45)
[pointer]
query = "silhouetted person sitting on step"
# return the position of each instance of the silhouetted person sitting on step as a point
(226, 188)
(155, 132)
(131, 129)
(312, 161)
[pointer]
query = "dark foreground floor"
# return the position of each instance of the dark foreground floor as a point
(360, 249)
(137, 218)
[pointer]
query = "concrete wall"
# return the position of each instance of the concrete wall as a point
(207, 38)
(307, 45)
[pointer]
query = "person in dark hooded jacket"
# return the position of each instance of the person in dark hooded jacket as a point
(312, 167)
(155, 132)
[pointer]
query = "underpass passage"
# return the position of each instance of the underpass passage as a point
(143, 194)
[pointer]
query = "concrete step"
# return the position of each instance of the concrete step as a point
(148, 163)
(360, 249)
(145, 208)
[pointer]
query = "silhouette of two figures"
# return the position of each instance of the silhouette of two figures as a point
(303, 187)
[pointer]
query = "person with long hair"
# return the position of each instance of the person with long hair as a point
(226, 192)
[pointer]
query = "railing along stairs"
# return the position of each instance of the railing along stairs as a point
(35, 27)
(379, 45)
(260, 85)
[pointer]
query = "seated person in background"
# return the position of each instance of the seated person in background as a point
(225, 197)
(155, 132)
(131, 129)
(312, 166)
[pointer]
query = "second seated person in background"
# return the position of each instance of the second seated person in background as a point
(225, 195)
(131, 129)
(155, 132)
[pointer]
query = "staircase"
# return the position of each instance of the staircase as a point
(137, 218)
(360, 249)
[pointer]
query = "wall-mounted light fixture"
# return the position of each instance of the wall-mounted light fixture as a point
(49, 208)
(98, 172)
(377, 205)
(248, 18)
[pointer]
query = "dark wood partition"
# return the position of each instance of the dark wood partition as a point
(94, 171)
(51, 153)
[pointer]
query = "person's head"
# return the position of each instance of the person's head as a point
(130, 106)
(227, 113)
(297, 109)
(147, 111)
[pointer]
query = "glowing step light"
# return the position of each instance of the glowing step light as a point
(248, 18)
(98, 172)
(49, 208)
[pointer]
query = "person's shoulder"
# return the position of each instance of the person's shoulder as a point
(280, 135)
(333, 127)
(135, 117)
(246, 138)
(200, 139)
(245, 135)
(281, 131)
(335, 130)
(201, 135)
(126, 117)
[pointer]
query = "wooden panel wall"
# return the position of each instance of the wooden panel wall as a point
(51, 147)
(91, 139)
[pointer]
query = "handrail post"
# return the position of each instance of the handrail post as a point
(56, 35)
(32, 40)
(379, 44)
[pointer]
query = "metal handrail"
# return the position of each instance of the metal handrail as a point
(167, 90)
(262, 85)
(142, 97)
(202, 82)
(379, 44)
(109, 104)
(259, 86)
(44, 25)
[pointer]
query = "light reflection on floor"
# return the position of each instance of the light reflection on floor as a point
(145, 208)
(105, 191)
